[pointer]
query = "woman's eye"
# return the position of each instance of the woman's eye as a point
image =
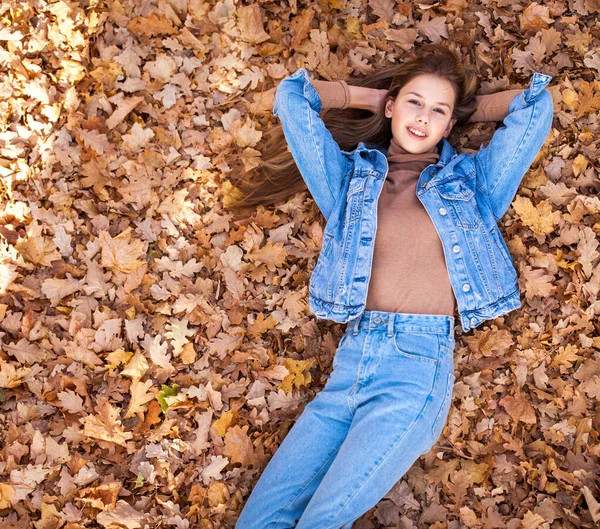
(413, 101)
(440, 110)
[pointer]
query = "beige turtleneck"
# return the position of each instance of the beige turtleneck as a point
(409, 273)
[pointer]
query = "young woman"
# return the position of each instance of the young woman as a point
(411, 231)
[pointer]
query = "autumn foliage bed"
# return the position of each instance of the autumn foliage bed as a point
(155, 349)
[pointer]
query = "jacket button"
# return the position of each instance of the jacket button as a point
(433, 171)
(466, 287)
(473, 321)
(456, 248)
(443, 211)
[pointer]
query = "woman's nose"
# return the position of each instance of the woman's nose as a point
(422, 117)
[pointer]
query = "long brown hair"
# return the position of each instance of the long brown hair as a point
(277, 177)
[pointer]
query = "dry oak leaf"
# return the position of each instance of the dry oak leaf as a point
(297, 377)
(383, 8)
(25, 352)
(119, 253)
(434, 29)
(532, 521)
(588, 243)
(250, 22)
(541, 218)
(8, 273)
(10, 377)
(106, 426)
(102, 497)
(239, 448)
(178, 333)
(489, 341)
(36, 248)
(151, 26)
(301, 25)
(223, 423)
(123, 515)
(272, 255)
(535, 18)
(535, 282)
(7, 493)
(57, 289)
(123, 109)
(405, 38)
(519, 409)
(71, 401)
(93, 139)
(140, 396)
(261, 325)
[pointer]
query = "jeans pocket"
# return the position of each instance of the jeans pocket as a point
(442, 414)
(420, 347)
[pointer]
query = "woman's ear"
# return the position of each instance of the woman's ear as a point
(449, 128)
(389, 107)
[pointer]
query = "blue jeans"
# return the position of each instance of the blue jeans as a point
(384, 405)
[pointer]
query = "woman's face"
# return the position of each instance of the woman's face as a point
(422, 113)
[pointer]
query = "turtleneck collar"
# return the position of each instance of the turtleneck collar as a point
(399, 159)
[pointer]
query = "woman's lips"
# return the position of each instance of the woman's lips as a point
(415, 136)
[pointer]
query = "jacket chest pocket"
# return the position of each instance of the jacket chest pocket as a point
(354, 199)
(460, 199)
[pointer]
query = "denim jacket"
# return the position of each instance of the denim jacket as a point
(464, 194)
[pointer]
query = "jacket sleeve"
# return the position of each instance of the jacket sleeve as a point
(319, 158)
(503, 163)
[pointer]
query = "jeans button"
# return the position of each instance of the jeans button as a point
(377, 319)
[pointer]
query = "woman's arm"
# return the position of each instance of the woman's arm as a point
(339, 94)
(511, 151)
(318, 156)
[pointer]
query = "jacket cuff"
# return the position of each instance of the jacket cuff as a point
(538, 82)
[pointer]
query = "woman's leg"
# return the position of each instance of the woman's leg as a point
(295, 471)
(400, 407)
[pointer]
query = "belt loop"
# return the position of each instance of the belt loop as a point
(355, 325)
(390, 330)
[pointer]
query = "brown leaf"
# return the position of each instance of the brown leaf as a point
(250, 22)
(151, 26)
(272, 255)
(519, 409)
(238, 446)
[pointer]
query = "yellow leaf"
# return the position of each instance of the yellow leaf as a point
(297, 376)
(541, 218)
(231, 194)
(7, 493)
(579, 165)
(570, 99)
(261, 325)
(137, 366)
(118, 357)
(223, 423)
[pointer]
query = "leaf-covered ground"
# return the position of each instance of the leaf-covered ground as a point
(155, 349)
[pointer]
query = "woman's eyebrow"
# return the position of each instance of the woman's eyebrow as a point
(438, 103)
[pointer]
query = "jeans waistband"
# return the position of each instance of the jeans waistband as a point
(401, 322)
